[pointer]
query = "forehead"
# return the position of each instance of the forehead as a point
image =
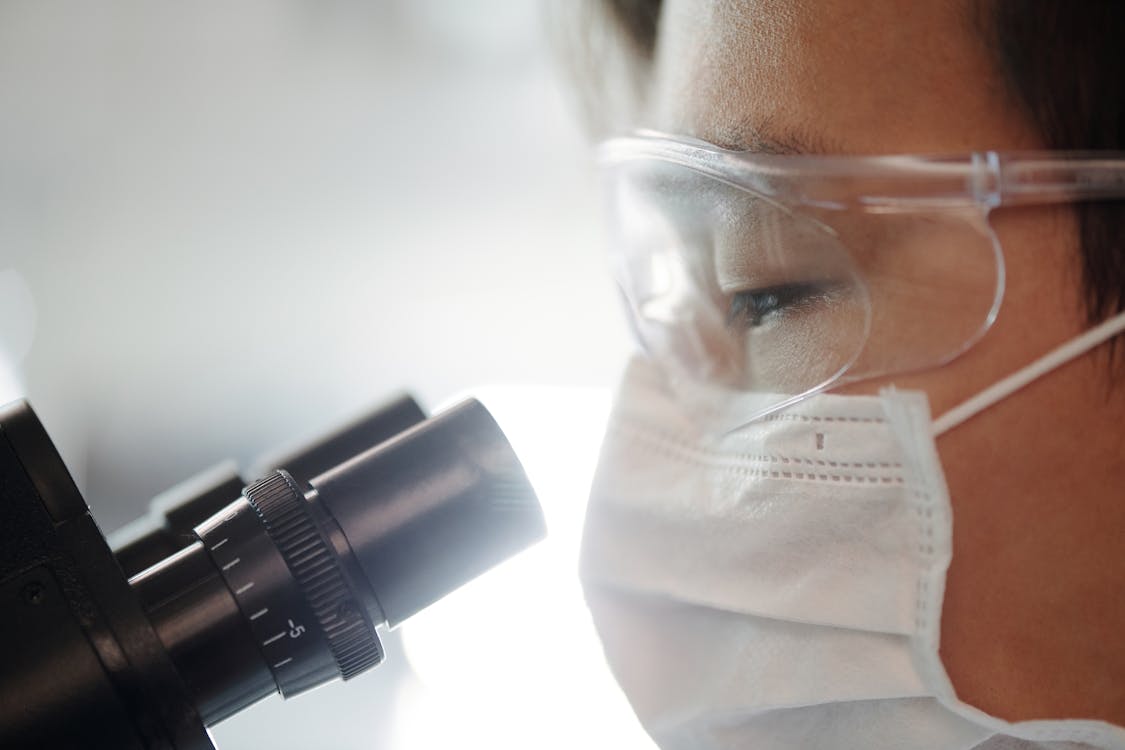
(848, 76)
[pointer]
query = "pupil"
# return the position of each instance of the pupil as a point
(752, 307)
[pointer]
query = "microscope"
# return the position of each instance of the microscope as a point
(238, 589)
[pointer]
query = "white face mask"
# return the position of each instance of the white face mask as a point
(781, 586)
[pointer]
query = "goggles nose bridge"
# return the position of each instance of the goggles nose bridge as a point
(679, 306)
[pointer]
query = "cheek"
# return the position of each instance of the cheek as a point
(1042, 255)
(933, 283)
(1041, 308)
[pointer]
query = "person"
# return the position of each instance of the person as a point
(777, 552)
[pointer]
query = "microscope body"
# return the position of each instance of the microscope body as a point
(80, 664)
(278, 590)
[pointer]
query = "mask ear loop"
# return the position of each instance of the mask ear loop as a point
(998, 391)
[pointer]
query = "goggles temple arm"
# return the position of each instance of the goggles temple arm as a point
(1031, 180)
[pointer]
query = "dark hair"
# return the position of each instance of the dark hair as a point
(638, 19)
(1063, 63)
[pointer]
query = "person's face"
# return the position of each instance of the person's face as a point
(859, 77)
(902, 76)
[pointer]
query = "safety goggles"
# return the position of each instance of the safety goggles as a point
(756, 280)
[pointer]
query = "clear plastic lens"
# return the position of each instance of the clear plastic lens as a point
(935, 282)
(731, 289)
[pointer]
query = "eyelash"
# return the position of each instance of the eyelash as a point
(753, 307)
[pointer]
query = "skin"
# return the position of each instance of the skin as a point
(1033, 612)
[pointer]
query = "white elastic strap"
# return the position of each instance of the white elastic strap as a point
(1076, 347)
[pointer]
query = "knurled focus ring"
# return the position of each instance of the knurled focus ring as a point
(284, 512)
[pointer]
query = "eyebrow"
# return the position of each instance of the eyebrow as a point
(764, 137)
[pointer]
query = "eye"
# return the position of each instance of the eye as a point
(753, 308)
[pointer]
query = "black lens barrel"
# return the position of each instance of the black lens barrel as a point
(175, 517)
(284, 587)
(433, 508)
(197, 618)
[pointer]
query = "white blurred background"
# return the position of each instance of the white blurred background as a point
(227, 226)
